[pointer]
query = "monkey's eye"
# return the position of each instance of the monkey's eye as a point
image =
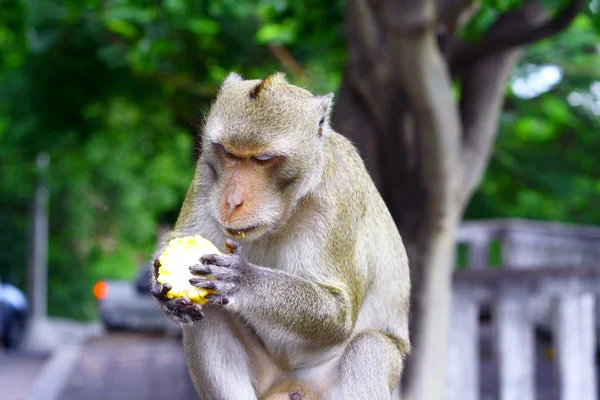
(229, 155)
(222, 150)
(264, 159)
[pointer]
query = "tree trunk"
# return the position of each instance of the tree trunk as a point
(426, 229)
(393, 133)
(425, 151)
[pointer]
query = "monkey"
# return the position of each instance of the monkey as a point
(311, 294)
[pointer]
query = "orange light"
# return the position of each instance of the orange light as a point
(100, 290)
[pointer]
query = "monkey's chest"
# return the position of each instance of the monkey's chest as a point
(287, 351)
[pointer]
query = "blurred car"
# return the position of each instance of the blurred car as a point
(13, 315)
(128, 305)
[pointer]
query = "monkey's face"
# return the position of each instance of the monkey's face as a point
(245, 203)
(261, 154)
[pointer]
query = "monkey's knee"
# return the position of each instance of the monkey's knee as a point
(377, 343)
(370, 366)
(290, 390)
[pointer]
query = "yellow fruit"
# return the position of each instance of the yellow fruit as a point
(180, 254)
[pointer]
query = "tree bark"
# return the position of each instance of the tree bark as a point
(426, 151)
(410, 142)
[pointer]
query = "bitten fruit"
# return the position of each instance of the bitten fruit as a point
(180, 254)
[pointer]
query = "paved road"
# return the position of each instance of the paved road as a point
(130, 366)
(17, 374)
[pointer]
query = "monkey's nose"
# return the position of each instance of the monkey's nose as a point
(295, 396)
(235, 199)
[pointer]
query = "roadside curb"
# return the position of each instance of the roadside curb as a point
(53, 376)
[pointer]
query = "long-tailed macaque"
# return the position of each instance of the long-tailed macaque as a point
(312, 290)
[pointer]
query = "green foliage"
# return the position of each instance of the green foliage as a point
(114, 91)
(476, 27)
(490, 10)
(545, 163)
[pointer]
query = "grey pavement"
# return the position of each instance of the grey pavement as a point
(18, 372)
(51, 379)
(130, 366)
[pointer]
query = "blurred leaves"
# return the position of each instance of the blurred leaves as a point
(115, 91)
(545, 163)
(284, 32)
(488, 11)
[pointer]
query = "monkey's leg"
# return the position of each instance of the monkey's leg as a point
(369, 368)
(218, 362)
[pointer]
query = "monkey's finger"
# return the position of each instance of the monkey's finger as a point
(201, 269)
(233, 261)
(208, 258)
(176, 304)
(217, 299)
(194, 311)
(160, 291)
(225, 274)
(156, 264)
(232, 246)
(203, 283)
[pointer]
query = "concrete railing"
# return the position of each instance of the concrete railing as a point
(550, 275)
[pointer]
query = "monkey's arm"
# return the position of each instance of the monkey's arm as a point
(316, 312)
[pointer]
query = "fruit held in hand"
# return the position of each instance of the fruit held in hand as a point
(180, 254)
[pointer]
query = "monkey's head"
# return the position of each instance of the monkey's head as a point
(263, 152)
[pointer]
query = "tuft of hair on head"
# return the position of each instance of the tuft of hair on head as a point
(266, 84)
(230, 79)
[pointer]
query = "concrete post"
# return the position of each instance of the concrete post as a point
(38, 251)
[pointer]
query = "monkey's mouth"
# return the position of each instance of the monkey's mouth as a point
(240, 233)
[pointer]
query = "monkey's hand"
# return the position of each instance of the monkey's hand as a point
(180, 309)
(226, 271)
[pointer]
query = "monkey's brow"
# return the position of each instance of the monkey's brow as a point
(248, 153)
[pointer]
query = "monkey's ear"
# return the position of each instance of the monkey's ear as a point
(325, 106)
(231, 78)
